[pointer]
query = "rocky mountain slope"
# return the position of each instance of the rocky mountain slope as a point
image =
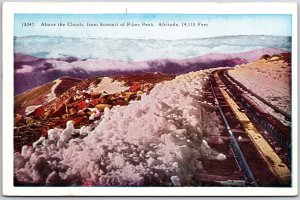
(82, 101)
(28, 101)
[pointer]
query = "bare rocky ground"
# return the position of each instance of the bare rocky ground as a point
(79, 103)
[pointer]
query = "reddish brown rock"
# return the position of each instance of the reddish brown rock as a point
(60, 123)
(79, 121)
(94, 102)
(65, 116)
(72, 111)
(86, 95)
(69, 100)
(121, 102)
(60, 111)
(102, 100)
(135, 87)
(95, 94)
(81, 105)
(38, 112)
(18, 118)
(29, 120)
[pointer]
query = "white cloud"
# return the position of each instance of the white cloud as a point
(25, 69)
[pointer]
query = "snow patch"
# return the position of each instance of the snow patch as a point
(39, 141)
(67, 133)
(51, 96)
(175, 180)
(221, 157)
(31, 109)
(95, 113)
(109, 86)
(240, 138)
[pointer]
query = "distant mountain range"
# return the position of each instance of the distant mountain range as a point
(31, 71)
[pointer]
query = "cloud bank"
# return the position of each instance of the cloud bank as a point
(141, 50)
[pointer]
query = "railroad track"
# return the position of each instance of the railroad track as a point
(257, 160)
(279, 132)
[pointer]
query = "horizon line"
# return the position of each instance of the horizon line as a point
(120, 38)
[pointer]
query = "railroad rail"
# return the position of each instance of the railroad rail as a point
(275, 165)
(238, 155)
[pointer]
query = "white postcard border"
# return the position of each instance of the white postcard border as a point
(10, 8)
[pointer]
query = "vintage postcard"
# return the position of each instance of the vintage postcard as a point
(150, 99)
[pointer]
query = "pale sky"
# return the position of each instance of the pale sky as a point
(217, 25)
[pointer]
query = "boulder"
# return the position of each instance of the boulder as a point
(60, 111)
(38, 112)
(94, 102)
(121, 102)
(135, 87)
(101, 106)
(69, 100)
(72, 111)
(139, 93)
(82, 105)
(79, 120)
(29, 120)
(18, 118)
